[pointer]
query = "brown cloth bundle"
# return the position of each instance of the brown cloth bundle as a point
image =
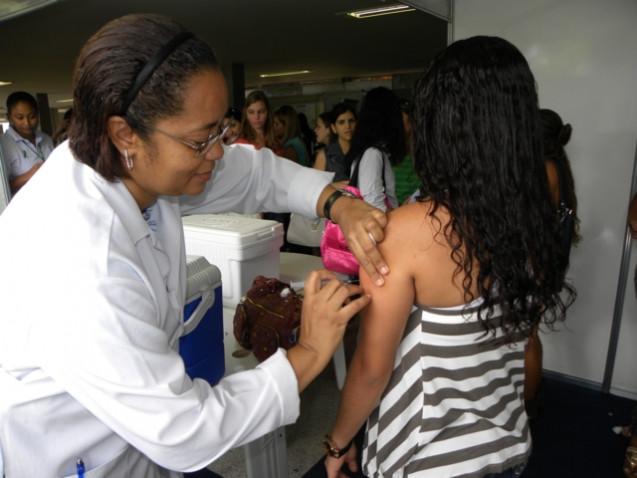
(268, 317)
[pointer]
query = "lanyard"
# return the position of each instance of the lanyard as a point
(34, 149)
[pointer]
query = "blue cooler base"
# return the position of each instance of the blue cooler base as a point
(202, 349)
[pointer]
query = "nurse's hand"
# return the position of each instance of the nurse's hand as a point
(328, 305)
(363, 226)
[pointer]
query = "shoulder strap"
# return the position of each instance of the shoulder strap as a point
(353, 180)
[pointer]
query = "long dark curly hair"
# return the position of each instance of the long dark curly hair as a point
(478, 154)
(379, 125)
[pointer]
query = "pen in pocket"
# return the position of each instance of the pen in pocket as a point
(79, 468)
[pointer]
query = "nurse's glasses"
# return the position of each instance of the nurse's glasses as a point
(200, 149)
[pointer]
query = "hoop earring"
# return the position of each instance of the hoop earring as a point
(129, 160)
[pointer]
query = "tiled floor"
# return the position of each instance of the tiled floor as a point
(318, 410)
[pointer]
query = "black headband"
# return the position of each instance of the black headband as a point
(152, 64)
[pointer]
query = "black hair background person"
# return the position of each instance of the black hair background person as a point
(555, 136)
(25, 148)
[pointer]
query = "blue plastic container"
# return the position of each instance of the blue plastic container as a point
(201, 345)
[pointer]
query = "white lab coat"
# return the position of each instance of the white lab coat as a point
(91, 308)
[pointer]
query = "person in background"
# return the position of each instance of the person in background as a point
(555, 137)
(307, 134)
(322, 131)
(438, 369)
(377, 144)
(287, 133)
(285, 125)
(24, 147)
(90, 375)
(233, 121)
(61, 133)
(332, 157)
(406, 178)
(256, 124)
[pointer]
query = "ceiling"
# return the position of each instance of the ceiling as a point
(38, 50)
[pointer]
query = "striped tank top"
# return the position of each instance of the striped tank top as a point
(454, 404)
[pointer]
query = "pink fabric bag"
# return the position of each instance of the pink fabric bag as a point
(335, 254)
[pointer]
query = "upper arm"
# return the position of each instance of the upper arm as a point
(554, 182)
(248, 180)
(370, 178)
(320, 161)
(16, 182)
(384, 320)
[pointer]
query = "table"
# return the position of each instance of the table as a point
(266, 457)
(294, 268)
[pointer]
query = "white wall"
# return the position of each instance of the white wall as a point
(583, 55)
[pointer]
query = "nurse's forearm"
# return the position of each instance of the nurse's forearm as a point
(306, 365)
(19, 181)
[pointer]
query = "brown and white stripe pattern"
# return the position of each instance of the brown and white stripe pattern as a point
(454, 404)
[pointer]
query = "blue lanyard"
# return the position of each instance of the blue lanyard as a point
(35, 149)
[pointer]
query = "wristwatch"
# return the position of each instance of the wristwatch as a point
(329, 202)
(334, 451)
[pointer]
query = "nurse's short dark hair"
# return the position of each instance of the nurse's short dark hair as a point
(21, 97)
(104, 73)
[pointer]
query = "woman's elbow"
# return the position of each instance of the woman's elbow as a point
(371, 373)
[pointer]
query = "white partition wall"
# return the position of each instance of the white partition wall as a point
(583, 55)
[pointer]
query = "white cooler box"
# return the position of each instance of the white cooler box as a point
(241, 247)
(201, 344)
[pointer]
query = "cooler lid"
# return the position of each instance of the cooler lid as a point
(233, 229)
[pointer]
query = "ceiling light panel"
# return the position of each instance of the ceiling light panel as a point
(284, 73)
(13, 8)
(377, 12)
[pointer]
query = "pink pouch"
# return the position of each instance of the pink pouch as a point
(335, 254)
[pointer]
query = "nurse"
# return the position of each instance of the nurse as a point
(25, 148)
(92, 281)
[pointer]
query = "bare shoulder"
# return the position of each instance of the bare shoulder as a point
(409, 228)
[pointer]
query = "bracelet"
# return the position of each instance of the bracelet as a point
(334, 451)
(327, 207)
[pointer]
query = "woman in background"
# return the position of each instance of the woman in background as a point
(24, 147)
(287, 132)
(322, 131)
(256, 125)
(61, 133)
(332, 157)
(407, 181)
(555, 136)
(377, 144)
(232, 119)
(439, 364)
(307, 134)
